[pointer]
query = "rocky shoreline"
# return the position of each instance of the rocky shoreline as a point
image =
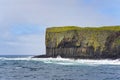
(78, 57)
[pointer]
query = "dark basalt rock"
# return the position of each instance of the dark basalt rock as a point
(92, 43)
(41, 56)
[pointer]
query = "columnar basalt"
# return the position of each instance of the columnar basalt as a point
(76, 42)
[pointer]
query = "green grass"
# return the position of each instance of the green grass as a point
(68, 28)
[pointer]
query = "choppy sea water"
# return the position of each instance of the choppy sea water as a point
(27, 68)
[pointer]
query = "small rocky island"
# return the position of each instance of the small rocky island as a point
(77, 42)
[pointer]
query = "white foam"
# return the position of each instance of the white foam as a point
(66, 61)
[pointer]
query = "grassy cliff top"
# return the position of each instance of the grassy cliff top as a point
(69, 28)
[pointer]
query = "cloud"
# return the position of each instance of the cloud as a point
(27, 44)
(51, 13)
(23, 22)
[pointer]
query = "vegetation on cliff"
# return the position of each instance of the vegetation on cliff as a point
(85, 41)
(68, 28)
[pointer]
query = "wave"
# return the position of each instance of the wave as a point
(66, 61)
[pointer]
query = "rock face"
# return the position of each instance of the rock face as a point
(76, 42)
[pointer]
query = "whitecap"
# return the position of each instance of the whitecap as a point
(66, 61)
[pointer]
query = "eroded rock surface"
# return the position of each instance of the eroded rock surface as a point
(76, 42)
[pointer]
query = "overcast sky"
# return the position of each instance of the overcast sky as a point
(23, 22)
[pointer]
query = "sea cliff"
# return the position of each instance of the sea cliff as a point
(78, 42)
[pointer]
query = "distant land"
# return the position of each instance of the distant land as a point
(78, 42)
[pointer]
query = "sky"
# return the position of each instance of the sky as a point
(23, 22)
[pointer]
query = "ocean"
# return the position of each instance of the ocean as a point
(27, 68)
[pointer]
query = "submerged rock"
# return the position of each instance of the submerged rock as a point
(41, 56)
(76, 42)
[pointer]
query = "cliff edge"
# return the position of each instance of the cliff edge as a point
(77, 42)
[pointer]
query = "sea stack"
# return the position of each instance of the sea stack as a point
(77, 42)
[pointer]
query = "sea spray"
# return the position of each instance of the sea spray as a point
(27, 68)
(66, 61)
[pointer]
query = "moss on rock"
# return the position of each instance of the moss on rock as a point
(82, 39)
